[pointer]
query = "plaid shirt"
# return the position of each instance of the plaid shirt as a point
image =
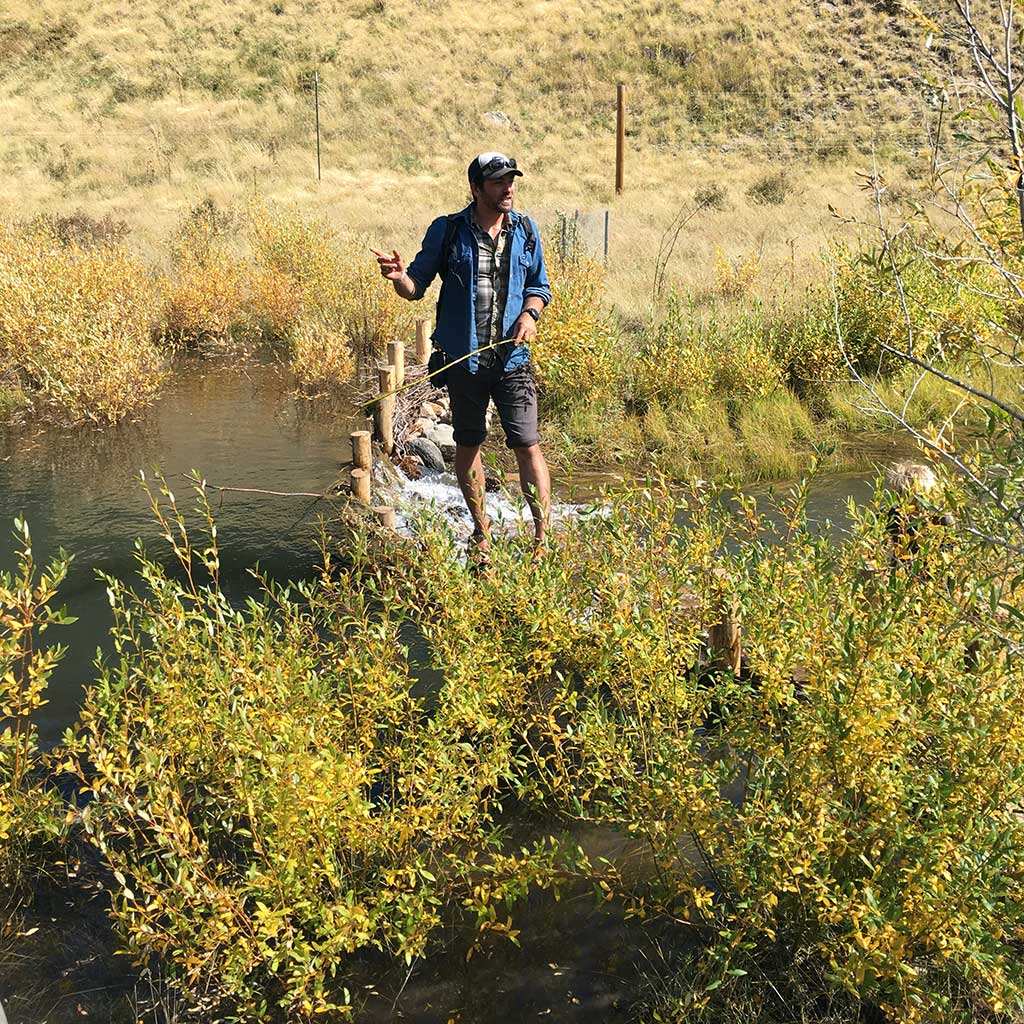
(491, 286)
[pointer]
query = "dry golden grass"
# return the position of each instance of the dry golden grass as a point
(141, 111)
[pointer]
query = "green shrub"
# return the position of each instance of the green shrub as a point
(30, 813)
(271, 796)
(828, 826)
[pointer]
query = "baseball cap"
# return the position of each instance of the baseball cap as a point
(488, 166)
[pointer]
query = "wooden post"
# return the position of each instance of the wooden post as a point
(422, 342)
(385, 516)
(384, 412)
(724, 644)
(396, 357)
(362, 451)
(620, 140)
(316, 100)
(361, 485)
(606, 215)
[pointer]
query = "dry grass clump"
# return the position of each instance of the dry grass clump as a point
(76, 326)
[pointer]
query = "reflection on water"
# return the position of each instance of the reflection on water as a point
(238, 426)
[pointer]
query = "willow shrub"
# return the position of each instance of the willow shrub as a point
(274, 799)
(305, 269)
(686, 359)
(76, 326)
(574, 353)
(205, 295)
(275, 793)
(840, 823)
(945, 306)
(29, 812)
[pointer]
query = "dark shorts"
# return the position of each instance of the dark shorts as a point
(514, 393)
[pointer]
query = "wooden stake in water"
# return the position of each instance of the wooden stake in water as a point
(423, 342)
(362, 451)
(385, 516)
(620, 141)
(724, 644)
(316, 103)
(361, 485)
(396, 357)
(384, 411)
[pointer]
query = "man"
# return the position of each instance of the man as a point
(494, 289)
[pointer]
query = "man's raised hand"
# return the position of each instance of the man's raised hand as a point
(392, 268)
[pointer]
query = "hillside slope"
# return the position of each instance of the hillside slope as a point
(140, 109)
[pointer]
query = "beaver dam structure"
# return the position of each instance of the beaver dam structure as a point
(412, 434)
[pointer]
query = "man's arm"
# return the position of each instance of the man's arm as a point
(536, 295)
(410, 282)
(393, 269)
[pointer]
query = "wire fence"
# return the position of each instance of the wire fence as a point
(570, 233)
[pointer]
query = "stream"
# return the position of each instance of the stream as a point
(241, 426)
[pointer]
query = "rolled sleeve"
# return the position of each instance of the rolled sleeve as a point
(537, 276)
(425, 267)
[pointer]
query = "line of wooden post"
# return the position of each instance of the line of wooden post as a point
(620, 140)
(422, 342)
(390, 378)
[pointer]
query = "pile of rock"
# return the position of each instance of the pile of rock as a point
(429, 442)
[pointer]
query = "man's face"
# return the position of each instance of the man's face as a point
(497, 195)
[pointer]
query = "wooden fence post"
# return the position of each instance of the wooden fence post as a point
(385, 516)
(362, 451)
(396, 357)
(422, 342)
(620, 141)
(724, 644)
(361, 485)
(384, 411)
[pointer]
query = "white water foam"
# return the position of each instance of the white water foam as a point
(439, 494)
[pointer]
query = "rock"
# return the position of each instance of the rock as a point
(436, 408)
(411, 466)
(428, 411)
(429, 452)
(443, 436)
(499, 117)
(423, 425)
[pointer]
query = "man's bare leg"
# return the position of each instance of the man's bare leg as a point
(469, 471)
(536, 484)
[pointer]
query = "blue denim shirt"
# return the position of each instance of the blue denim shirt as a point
(455, 330)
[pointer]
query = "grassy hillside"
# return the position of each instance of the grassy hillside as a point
(141, 109)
